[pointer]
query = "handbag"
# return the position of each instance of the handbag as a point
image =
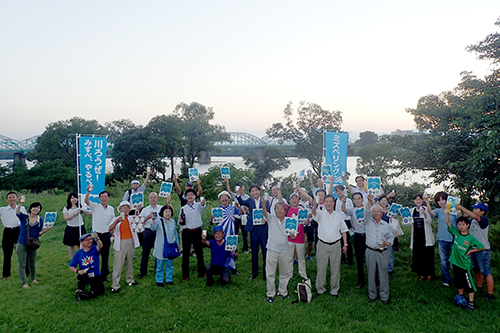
(170, 250)
(230, 262)
(32, 243)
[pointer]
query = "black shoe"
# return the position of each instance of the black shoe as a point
(270, 299)
(133, 283)
(140, 276)
(253, 277)
(160, 284)
(335, 296)
(115, 291)
(371, 300)
(284, 296)
(386, 302)
(170, 283)
(489, 297)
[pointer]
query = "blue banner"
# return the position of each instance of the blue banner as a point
(91, 165)
(336, 145)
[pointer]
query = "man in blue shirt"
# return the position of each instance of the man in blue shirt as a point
(87, 260)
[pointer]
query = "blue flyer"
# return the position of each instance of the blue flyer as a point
(326, 172)
(303, 214)
(231, 242)
(291, 226)
(360, 215)
(225, 173)
(406, 214)
(193, 175)
(258, 216)
(50, 219)
(452, 202)
(374, 186)
(137, 199)
(165, 190)
(394, 210)
(302, 174)
(217, 213)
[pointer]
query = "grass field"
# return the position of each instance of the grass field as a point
(241, 306)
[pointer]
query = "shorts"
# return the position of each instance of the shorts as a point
(463, 279)
(481, 262)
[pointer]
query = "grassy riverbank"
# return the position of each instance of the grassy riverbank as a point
(240, 306)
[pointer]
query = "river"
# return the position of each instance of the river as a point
(296, 165)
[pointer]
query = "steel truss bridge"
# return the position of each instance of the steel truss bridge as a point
(242, 139)
(12, 145)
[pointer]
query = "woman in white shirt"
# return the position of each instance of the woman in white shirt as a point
(74, 223)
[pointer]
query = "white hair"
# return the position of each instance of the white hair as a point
(377, 206)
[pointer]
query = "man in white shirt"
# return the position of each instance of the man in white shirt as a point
(11, 224)
(340, 192)
(331, 228)
(102, 215)
(150, 214)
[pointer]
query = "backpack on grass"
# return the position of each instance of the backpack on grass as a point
(304, 291)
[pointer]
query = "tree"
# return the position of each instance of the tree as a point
(169, 131)
(198, 134)
(134, 150)
(213, 177)
(463, 140)
(367, 138)
(58, 142)
(307, 131)
(272, 161)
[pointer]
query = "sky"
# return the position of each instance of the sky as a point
(109, 60)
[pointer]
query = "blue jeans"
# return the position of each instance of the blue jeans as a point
(390, 268)
(169, 270)
(444, 249)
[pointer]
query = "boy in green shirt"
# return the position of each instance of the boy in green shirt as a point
(463, 245)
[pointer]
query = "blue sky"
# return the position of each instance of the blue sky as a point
(135, 60)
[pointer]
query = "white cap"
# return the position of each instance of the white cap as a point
(224, 192)
(124, 203)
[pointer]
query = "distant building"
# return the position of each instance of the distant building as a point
(405, 132)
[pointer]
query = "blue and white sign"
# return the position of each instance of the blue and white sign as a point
(406, 214)
(302, 174)
(326, 173)
(225, 173)
(335, 152)
(137, 199)
(231, 242)
(258, 216)
(49, 220)
(291, 226)
(303, 214)
(452, 202)
(374, 186)
(360, 215)
(165, 190)
(193, 175)
(91, 159)
(217, 214)
(393, 210)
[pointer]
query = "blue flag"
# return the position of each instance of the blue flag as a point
(91, 161)
(336, 145)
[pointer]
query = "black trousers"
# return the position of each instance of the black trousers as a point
(192, 237)
(95, 283)
(359, 250)
(9, 240)
(148, 243)
(244, 233)
(225, 274)
(106, 244)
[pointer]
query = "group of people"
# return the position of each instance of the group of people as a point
(332, 218)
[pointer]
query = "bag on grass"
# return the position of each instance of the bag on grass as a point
(304, 291)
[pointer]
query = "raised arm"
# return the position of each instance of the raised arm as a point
(428, 205)
(330, 189)
(147, 178)
(264, 207)
(347, 186)
(87, 196)
(177, 186)
(469, 213)
(228, 187)
(447, 218)
(200, 189)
